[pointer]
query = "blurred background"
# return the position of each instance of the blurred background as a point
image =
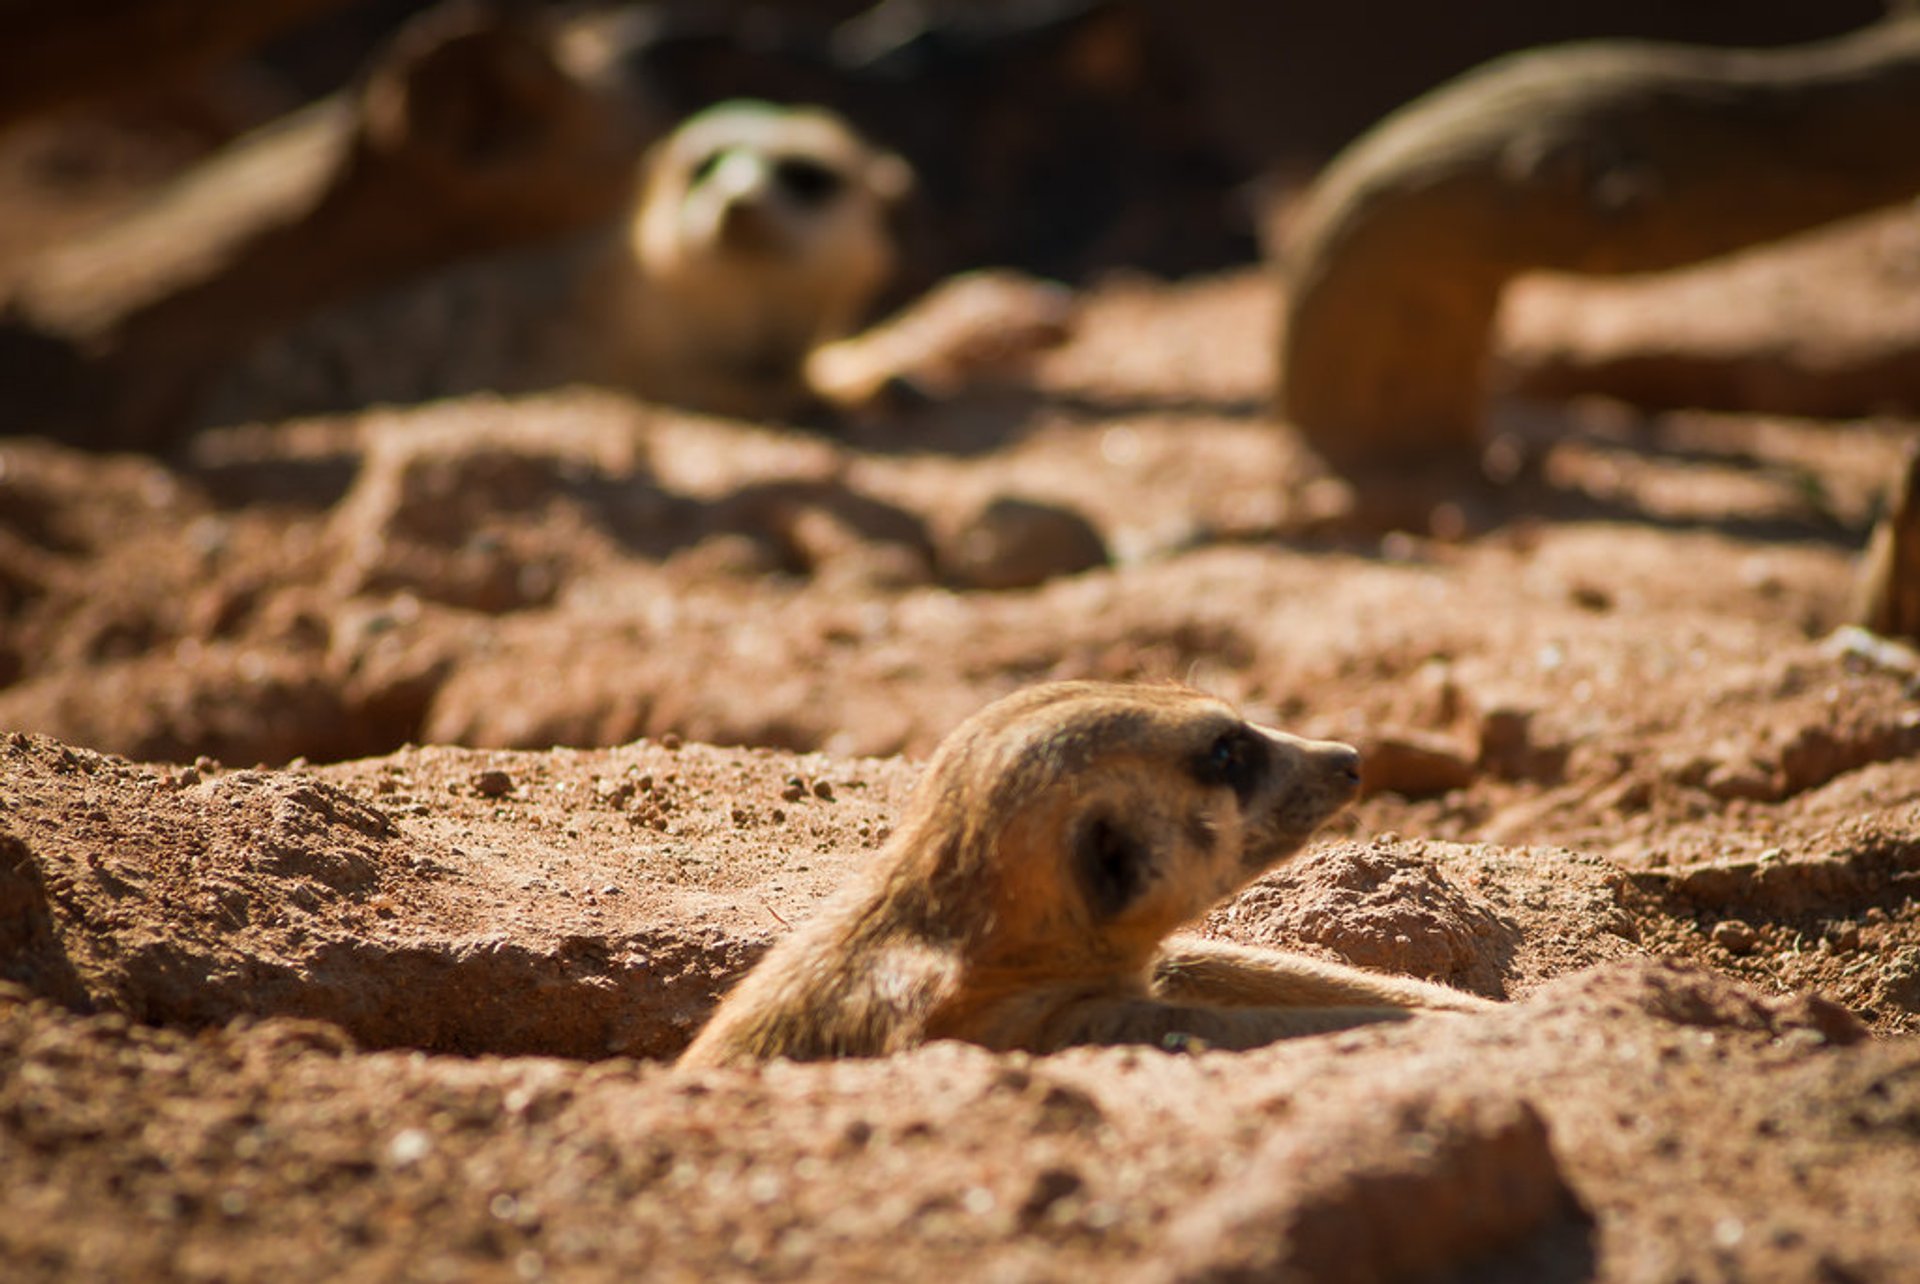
(1063, 136)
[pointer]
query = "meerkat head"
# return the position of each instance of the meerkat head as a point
(1114, 813)
(770, 216)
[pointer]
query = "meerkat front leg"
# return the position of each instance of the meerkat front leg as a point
(1116, 1020)
(1191, 970)
(980, 328)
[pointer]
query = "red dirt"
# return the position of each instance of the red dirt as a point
(404, 1015)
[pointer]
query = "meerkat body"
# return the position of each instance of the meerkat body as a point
(756, 235)
(1026, 901)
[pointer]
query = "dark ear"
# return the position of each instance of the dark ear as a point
(1113, 865)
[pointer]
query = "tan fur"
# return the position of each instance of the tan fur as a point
(710, 293)
(734, 277)
(1025, 902)
(1887, 594)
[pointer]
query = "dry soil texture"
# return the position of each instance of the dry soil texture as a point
(378, 1011)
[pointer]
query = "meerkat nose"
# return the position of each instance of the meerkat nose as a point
(746, 225)
(1344, 761)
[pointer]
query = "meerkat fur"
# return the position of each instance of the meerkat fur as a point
(755, 235)
(1029, 897)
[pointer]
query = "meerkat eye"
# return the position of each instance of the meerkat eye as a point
(1235, 758)
(1113, 865)
(807, 181)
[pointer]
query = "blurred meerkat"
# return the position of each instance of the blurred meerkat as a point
(758, 236)
(1057, 839)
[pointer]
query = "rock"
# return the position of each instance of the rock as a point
(1413, 764)
(1015, 543)
(475, 510)
(1430, 1183)
(1735, 937)
(1507, 748)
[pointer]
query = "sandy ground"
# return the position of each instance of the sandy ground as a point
(374, 1010)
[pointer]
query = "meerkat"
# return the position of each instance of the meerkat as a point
(758, 236)
(1056, 840)
(755, 235)
(1887, 588)
(761, 234)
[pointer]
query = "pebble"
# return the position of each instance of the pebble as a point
(1735, 937)
(1018, 543)
(1413, 765)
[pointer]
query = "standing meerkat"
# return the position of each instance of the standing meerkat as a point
(1026, 900)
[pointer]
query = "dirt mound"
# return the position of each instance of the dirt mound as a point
(191, 896)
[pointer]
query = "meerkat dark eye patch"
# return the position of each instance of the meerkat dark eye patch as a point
(808, 182)
(1236, 758)
(704, 167)
(1113, 865)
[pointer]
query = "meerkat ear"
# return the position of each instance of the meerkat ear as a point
(1113, 865)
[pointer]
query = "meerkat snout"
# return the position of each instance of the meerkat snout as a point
(762, 202)
(1307, 782)
(753, 181)
(1243, 756)
(1236, 798)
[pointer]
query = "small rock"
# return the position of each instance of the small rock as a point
(823, 790)
(1508, 747)
(1750, 781)
(492, 783)
(1018, 543)
(1854, 645)
(1440, 696)
(408, 1147)
(1589, 597)
(1413, 765)
(1735, 937)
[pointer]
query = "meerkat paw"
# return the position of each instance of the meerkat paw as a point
(980, 328)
